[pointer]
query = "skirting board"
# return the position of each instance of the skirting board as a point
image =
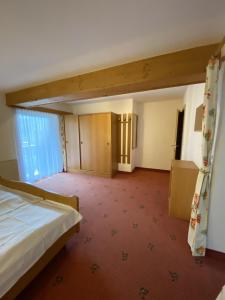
(153, 170)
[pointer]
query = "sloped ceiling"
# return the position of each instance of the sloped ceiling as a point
(172, 93)
(49, 39)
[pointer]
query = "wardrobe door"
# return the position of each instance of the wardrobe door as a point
(72, 142)
(86, 140)
(102, 143)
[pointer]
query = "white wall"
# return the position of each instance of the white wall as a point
(191, 145)
(116, 106)
(156, 133)
(59, 106)
(216, 228)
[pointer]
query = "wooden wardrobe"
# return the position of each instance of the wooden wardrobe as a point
(91, 143)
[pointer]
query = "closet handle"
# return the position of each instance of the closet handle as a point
(81, 142)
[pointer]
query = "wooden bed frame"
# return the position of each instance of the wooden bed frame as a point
(72, 201)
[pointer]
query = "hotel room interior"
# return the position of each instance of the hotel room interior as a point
(112, 167)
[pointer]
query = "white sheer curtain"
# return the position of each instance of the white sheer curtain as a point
(38, 144)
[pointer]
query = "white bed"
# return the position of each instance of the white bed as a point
(29, 226)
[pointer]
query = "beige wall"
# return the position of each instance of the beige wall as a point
(191, 146)
(156, 129)
(156, 133)
(8, 162)
(116, 106)
(59, 106)
(7, 131)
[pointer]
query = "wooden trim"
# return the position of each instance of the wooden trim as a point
(119, 138)
(72, 201)
(79, 137)
(46, 110)
(168, 70)
(129, 138)
(124, 138)
(65, 149)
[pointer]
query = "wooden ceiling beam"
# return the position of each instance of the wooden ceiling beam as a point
(45, 109)
(173, 69)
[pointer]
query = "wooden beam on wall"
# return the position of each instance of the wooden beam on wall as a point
(173, 69)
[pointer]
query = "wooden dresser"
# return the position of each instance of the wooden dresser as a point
(183, 179)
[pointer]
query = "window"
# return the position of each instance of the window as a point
(38, 145)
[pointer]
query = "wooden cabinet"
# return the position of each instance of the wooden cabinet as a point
(72, 143)
(102, 143)
(96, 136)
(182, 186)
(86, 142)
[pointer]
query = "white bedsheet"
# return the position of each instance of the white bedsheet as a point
(28, 227)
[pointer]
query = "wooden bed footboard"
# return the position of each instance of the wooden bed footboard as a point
(72, 201)
(39, 265)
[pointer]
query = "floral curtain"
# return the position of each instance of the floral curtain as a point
(63, 140)
(199, 214)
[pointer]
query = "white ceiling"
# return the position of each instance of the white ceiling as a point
(41, 40)
(172, 93)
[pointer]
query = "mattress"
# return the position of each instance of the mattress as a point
(29, 226)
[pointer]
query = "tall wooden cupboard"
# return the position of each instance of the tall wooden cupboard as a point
(91, 143)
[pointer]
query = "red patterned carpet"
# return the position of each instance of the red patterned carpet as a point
(128, 248)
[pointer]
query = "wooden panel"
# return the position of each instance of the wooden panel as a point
(114, 142)
(173, 69)
(86, 142)
(128, 138)
(119, 157)
(124, 139)
(72, 142)
(102, 155)
(182, 186)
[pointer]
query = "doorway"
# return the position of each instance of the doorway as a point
(179, 135)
